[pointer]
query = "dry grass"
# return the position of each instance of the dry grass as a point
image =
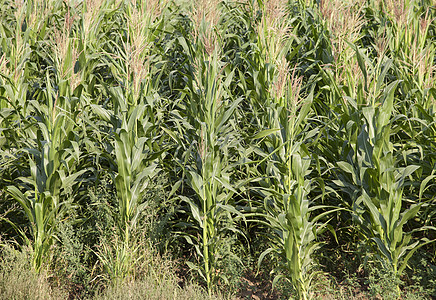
(18, 281)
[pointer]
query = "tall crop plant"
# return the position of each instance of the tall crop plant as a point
(53, 159)
(135, 108)
(134, 118)
(381, 184)
(411, 44)
(285, 187)
(380, 171)
(48, 147)
(284, 170)
(370, 172)
(206, 141)
(16, 69)
(284, 163)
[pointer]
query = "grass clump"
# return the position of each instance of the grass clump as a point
(154, 279)
(18, 281)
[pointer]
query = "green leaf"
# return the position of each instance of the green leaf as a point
(265, 132)
(387, 107)
(407, 171)
(382, 248)
(345, 167)
(195, 210)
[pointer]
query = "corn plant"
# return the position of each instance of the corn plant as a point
(48, 143)
(53, 160)
(209, 176)
(206, 139)
(381, 185)
(284, 167)
(283, 161)
(15, 68)
(372, 177)
(134, 118)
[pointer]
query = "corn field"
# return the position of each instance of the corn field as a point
(294, 140)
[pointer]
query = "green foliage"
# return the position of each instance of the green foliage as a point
(297, 134)
(383, 283)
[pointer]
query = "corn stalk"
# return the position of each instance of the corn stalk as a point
(53, 159)
(133, 118)
(206, 139)
(370, 173)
